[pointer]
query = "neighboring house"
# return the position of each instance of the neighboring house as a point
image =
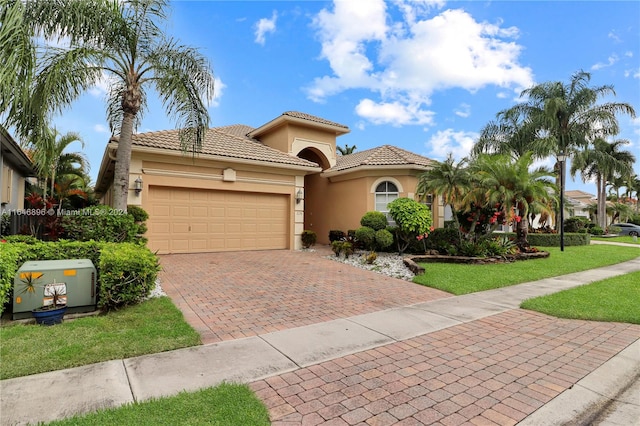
(259, 188)
(579, 203)
(16, 168)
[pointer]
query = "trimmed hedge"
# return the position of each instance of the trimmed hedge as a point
(127, 267)
(553, 240)
(127, 275)
(102, 223)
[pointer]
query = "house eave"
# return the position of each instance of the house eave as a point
(390, 167)
(284, 119)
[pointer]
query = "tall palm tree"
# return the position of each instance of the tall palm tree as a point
(449, 180)
(49, 156)
(512, 133)
(512, 185)
(633, 185)
(568, 116)
(603, 161)
(122, 39)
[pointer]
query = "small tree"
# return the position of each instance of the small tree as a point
(412, 219)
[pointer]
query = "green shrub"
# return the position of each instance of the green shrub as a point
(347, 249)
(575, 224)
(596, 230)
(374, 220)
(309, 238)
(21, 239)
(366, 236)
(336, 247)
(335, 235)
(101, 223)
(553, 240)
(383, 239)
(472, 249)
(139, 214)
(441, 238)
(128, 273)
(371, 258)
(9, 257)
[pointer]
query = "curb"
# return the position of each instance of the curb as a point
(582, 403)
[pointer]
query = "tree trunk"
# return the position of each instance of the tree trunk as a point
(522, 231)
(602, 202)
(123, 162)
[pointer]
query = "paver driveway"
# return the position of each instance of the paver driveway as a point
(232, 295)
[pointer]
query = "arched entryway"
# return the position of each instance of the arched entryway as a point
(315, 191)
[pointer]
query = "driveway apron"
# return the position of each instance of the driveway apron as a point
(232, 295)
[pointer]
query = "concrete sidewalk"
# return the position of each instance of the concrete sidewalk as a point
(601, 360)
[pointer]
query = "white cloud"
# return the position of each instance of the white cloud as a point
(394, 113)
(463, 111)
(99, 128)
(610, 61)
(218, 89)
(613, 36)
(264, 26)
(628, 54)
(101, 87)
(405, 62)
(443, 142)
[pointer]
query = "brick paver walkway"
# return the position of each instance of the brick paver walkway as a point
(233, 295)
(493, 371)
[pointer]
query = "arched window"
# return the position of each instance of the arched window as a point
(386, 192)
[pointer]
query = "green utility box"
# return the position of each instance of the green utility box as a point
(75, 277)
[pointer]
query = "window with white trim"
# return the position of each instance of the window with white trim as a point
(386, 192)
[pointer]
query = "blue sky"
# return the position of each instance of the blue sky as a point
(423, 75)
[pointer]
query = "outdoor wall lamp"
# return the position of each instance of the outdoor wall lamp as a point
(299, 196)
(137, 185)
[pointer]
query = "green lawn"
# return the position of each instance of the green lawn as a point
(626, 239)
(224, 405)
(153, 326)
(615, 299)
(462, 279)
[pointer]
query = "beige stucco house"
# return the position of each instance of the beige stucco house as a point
(259, 188)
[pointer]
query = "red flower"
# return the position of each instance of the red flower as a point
(518, 219)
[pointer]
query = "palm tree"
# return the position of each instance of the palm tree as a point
(633, 185)
(512, 134)
(603, 161)
(512, 185)
(347, 149)
(123, 40)
(50, 159)
(449, 180)
(568, 116)
(17, 57)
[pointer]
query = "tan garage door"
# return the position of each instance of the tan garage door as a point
(192, 220)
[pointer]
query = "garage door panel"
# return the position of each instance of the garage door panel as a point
(183, 220)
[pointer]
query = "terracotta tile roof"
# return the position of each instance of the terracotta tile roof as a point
(386, 155)
(227, 141)
(309, 117)
(576, 193)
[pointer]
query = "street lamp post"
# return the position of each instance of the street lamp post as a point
(561, 159)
